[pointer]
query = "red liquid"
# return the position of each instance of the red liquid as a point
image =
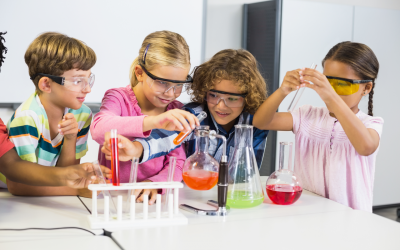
(199, 179)
(283, 194)
(181, 137)
(114, 161)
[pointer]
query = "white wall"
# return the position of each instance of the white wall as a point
(224, 20)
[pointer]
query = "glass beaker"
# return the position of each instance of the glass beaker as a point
(200, 170)
(245, 188)
(283, 187)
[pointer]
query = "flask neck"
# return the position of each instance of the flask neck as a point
(285, 156)
(243, 136)
(202, 144)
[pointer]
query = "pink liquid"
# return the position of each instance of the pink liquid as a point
(114, 161)
(283, 194)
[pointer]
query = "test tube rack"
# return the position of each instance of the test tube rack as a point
(142, 219)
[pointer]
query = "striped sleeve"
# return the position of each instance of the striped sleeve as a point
(24, 133)
(84, 119)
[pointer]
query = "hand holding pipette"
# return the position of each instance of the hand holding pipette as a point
(172, 120)
(299, 92)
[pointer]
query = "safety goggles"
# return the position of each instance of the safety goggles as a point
(75, 84)
(159, 84)
(344, 86)
(231, 100)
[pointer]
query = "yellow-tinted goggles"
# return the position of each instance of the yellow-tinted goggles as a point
(344, 86)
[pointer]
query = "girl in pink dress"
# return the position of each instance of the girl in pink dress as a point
(157, 78)
(336, 145)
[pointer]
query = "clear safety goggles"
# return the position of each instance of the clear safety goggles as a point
(231, 100)
(75, 84)
(344, 86)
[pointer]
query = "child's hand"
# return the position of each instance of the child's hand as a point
(79, 176)
(127, 149)
(84, 192)
(291, 82)
(321, 84)
(68, 127)
(172, 120)
(152, 193)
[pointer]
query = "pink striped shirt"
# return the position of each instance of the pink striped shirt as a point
(327, 163)
(120, 110)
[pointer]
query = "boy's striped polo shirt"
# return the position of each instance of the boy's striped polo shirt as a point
(29, 130)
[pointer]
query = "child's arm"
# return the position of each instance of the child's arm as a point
(17, 170)
(180, 155)
(110, 117)
(266, 117)
(68, 127)
(364, 140)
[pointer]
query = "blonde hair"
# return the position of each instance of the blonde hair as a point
(239, 66)
(166, 49)
(54, 53)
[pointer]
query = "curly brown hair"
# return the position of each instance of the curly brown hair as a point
(54, 53)
(238, 66)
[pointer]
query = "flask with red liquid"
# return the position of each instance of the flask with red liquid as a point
(200, 170)
(114, 157)
(283, 187)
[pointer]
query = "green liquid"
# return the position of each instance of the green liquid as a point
(239, 199)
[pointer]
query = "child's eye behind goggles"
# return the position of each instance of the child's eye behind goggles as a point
(344, 86)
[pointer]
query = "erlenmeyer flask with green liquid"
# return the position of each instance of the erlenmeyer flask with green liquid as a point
(245, 188)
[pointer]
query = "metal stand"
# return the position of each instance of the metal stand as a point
(221, 211)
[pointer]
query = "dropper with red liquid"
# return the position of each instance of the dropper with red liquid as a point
(182, 135)
(114, 157)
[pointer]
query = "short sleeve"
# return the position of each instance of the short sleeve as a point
(375, 123)
(23, 132)
(5, 143)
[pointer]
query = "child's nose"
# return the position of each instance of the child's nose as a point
(87, 89)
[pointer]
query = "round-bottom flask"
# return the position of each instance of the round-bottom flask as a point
(200, 170)
(283, 187)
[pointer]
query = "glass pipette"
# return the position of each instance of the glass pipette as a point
(299, 92)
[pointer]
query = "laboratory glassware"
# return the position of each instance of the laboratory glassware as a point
(182, 135)
(283, 187)
(299, 93)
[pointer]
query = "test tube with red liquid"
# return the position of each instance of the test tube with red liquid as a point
(179, 139)
(114, 157)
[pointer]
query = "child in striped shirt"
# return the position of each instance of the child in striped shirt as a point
(51, 127)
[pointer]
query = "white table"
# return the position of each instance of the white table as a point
(43, 212)
(309, 203)
(347, 229)
(59, 243)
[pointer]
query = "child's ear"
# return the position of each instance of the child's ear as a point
(139, 73)
(367, 88)
(44, 85)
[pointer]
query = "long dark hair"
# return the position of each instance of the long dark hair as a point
(3, 48)
(361, 59)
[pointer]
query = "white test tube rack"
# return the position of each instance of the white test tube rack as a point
(136, 219)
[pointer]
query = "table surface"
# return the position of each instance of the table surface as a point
(43, 212)
(308, 203)
(51, 242)
(346, 229)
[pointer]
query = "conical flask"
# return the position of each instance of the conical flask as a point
(200, 170)
(245, 188)
(283, 187)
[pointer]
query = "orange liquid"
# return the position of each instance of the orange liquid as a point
(198, 179)
(179, 139)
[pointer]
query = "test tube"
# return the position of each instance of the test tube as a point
(299, 92)
(102, 180)
(179, 139)
(171, 171)
(132, 179)
(114, 157)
